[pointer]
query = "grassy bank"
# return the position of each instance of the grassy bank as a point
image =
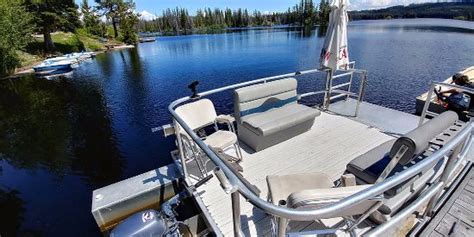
(64, 43)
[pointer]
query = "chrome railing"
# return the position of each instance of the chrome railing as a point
(236, 185)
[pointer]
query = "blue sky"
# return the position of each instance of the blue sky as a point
(157, 6)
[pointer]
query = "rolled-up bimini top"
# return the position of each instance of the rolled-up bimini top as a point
(377, 164)
(418, 140)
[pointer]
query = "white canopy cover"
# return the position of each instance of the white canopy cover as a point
(334, 53)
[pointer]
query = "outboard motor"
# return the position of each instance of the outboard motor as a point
(154, 223)
(146, 223)
(457, 102)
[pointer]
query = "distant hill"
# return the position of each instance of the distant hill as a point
(460, 11)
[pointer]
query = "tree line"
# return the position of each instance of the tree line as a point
(180, 21)
(463, 10)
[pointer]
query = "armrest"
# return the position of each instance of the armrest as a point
(229, 120)
(322, 196)
(225, 118)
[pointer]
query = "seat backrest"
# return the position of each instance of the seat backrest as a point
(316, 198)
(262, 97)
(197, 114)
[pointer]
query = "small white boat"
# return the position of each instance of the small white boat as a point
(81, 56)
(147, 39)
(51, 66)
(74, 58)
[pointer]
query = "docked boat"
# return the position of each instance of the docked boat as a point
(346, 167)
(277, 166)
(74, 58)
(81, 56)
(436, 103)
(52, 66)
(147, 39)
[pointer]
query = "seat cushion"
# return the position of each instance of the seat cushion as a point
(278, 119)
(221, 140)
(281, 186)
(369, 166)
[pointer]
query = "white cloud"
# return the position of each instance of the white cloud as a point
(374, 4)
(146, 16)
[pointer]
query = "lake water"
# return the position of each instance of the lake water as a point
(61, 139)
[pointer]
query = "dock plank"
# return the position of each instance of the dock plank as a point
(456, 217)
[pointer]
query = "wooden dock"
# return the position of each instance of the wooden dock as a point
(456, 217)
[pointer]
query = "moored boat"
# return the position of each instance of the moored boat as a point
(279, 166)
(48, 66)
(436, 103)
(147, 39)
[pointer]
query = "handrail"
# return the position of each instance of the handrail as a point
(325, 211)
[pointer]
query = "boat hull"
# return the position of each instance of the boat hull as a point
(52, 68)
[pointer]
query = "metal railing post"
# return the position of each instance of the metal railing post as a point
(450, 165)
(181, 151)
(282, 223)
(235, 196)
(363, 82)
(350, 79)
(327, 94)
(427, 104)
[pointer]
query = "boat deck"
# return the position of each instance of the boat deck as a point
(456, 217)
(333, 141)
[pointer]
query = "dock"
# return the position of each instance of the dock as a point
(456, 217)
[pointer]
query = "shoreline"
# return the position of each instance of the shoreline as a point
(26, 70)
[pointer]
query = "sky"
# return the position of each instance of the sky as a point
(155, 7)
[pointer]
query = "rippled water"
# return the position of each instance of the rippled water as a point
(60, 139)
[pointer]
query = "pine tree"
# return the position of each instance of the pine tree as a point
(52, 15)
(91, 20)
(15, 33)
(120, 13)
(324, 10)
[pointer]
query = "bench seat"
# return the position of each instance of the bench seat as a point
(279, 119)
(268, 113)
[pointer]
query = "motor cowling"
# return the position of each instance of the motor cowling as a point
(144, 223)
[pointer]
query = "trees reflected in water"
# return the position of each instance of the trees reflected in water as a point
(12, 211)
(59, 125)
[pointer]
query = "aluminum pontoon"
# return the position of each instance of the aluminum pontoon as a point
(235, 202)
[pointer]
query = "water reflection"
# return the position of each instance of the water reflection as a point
(34, 129)
(322, 31)
(12, 212)
(59, 126)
